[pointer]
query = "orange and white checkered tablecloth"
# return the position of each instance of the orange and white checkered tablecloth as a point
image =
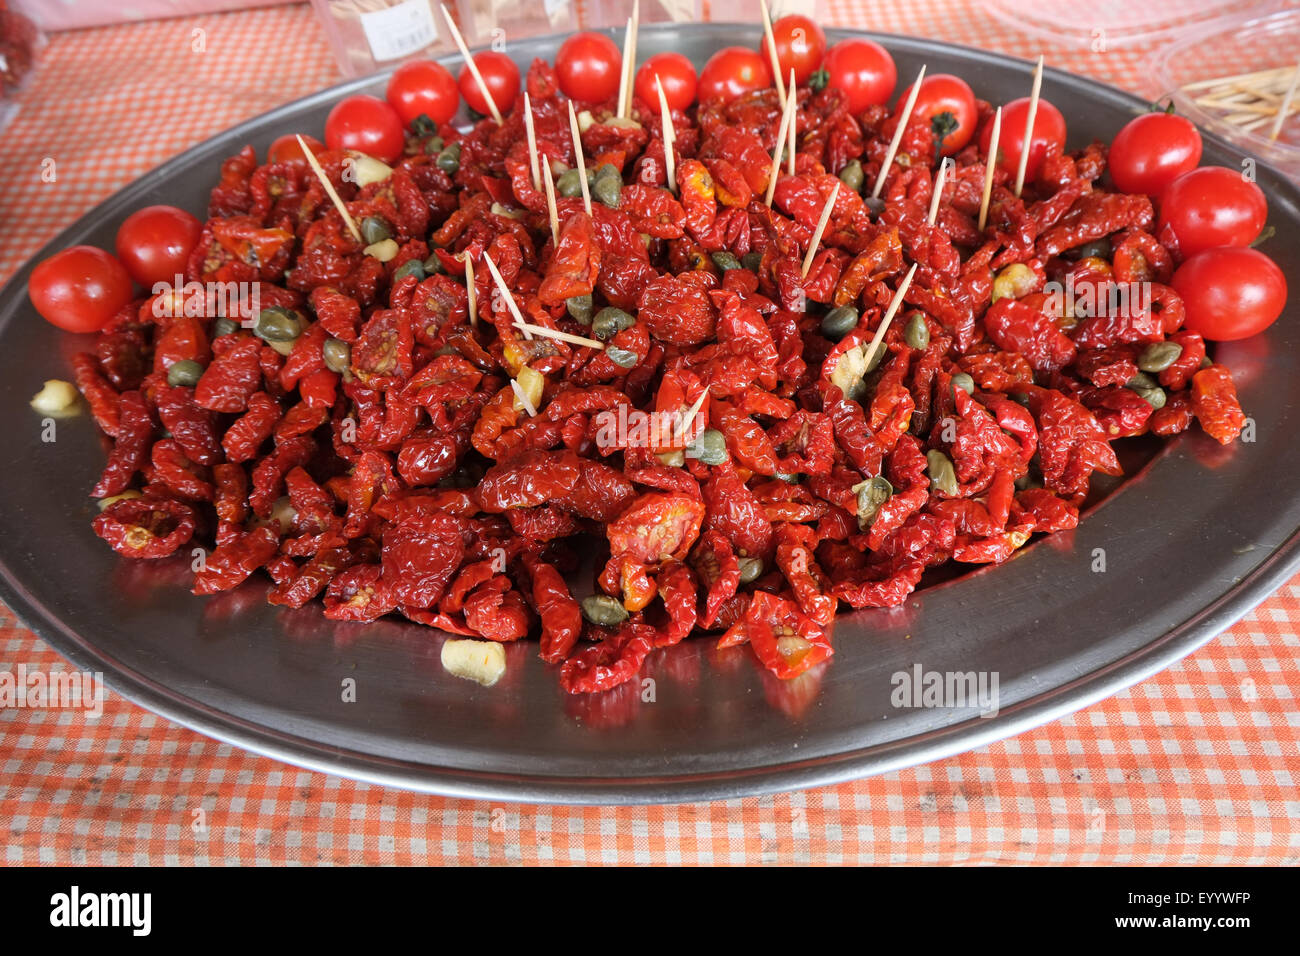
(1196, 765)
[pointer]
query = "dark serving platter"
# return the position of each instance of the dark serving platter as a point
(1190, 542)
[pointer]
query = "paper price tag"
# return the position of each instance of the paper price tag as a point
(400, 30)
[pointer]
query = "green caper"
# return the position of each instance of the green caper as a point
(942, 474)
(433, 146)
(1155, 397)
(284, 348)
(423, 126)
(1141, 380)
(873, 493)
(608, 186)
(710, 448)
(224, 326)
(412, 267)
(1207, 362)
(839, 322)
(875, 205)
(432, 265)
(726, 261)
(375, 229)
(916, 333)
(964, 382)
(569, 184)
(275, 323)
(752, 261)
(603, 610)
(876, 359)
(184, 372)
(851, 175)
(623, 358)
(1158, 356)
(1099, 248)
(609, 321)
(337, 355)
(1026, 482)
(449, 159)
(580, 307)
(750, 569)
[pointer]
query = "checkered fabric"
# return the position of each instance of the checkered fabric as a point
(1196, 765)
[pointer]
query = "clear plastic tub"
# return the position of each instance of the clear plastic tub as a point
(372, 35)
(20, 42)
(1099, 24)
(1227, 49)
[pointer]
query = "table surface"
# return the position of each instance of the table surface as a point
(1195, 765)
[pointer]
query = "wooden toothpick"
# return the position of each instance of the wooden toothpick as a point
(881, 329)
(582, 163)
(505, 293)
(776, 154)
(817, 234)
(670, 136)
(329, 190)
(470, 288)
(683, 426)
(771, 51)
(898, 135)
(991, 165)
(792, 103)
(532, 142)
(559, 336)
(938, 189)
(469, 62)
(1027, 142)
(550, 203)
(1286, 105)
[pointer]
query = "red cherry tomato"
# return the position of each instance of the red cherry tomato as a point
(948, 104)
(677, 75)
(1151, 151)
(800, 43)
(1049, 127)
(79, 289)
(366, 124)
(1230, 293)
(589, 67)
(286, 150)
(155, 242)
(731, 71)
(501, 76)
(864, 70)
(1210, 207)
(423, 88)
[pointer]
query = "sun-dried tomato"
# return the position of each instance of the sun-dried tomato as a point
(145, 527)
(616, 659)
(232, 378)
(1214, 401)
(677, 309)
(131, 448)
(358, 594)
(231, 563)
(1016, 326)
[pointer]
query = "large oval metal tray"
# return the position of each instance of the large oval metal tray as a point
(1190, 542)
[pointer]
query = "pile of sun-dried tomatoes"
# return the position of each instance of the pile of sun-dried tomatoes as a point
(362, 441)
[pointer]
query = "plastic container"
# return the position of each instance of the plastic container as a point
(372, 35)
(1226, 48)
(495, 22)
(1100, 24)
(20, 42)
